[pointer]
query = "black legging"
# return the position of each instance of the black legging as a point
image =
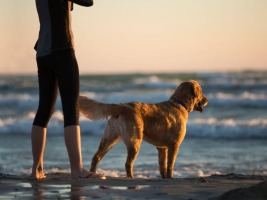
(58, 70)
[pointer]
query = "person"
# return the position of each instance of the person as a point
(57, 69)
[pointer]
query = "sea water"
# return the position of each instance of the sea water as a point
(230, 136)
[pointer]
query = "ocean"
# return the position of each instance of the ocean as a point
(230, 136)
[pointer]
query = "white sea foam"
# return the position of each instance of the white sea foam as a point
(243, 96)
(229, 122)
(155, 82)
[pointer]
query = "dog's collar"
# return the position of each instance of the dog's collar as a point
(178, 102)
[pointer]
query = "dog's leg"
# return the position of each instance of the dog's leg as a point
(107, 142)
(133, 148)
(172, 153)
(162, 156)
(104, 146)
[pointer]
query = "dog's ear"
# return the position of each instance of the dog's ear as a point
(184, 91)
(196, 89)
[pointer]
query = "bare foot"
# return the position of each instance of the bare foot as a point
(86, 174)
(94, 175)
(37, 176)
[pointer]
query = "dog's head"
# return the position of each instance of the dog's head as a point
(190, 95)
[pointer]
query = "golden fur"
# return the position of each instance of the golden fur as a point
(162, 124)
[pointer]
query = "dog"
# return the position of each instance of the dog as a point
(162, 124)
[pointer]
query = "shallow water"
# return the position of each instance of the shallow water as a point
(197, 157)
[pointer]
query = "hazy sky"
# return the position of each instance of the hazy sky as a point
(121, 36)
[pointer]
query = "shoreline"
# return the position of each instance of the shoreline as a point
(61, 186)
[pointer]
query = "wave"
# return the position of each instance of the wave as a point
(243, 96)
(236, 108)
(204, 128)
(227, 128)
(155, 82)
(244, 99)
(29, 102)
(196, 127)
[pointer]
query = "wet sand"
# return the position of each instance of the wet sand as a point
(61, 186)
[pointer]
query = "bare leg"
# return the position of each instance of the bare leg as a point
(162, 156)
(38, 138)
(73, 144)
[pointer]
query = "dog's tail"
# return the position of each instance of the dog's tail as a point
(95, 110)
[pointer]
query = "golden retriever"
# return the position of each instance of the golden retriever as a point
(162, 124)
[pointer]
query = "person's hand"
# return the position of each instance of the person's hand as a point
(86, 3)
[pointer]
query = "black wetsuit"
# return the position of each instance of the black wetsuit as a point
(57, 64)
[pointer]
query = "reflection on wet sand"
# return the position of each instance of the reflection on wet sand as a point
(60, 186)
(136, 187)
(74, 190)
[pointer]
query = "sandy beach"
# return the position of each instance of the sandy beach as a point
(60, 186)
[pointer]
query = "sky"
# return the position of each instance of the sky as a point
(146, 36)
